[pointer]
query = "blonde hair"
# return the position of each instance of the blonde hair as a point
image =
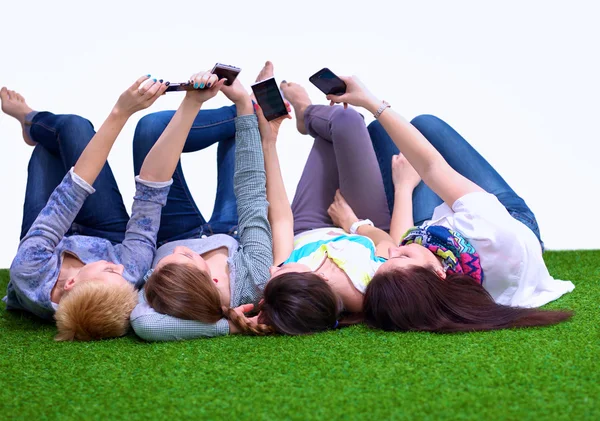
(95, 310)
(186, 292)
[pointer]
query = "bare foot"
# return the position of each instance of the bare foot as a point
(15, 106)
(298, 97)
(266, 72)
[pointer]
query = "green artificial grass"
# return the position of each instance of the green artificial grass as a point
(355, 373)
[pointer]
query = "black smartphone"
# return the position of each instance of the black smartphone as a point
(328, 82)
(226, 71)
(177, 87)
(221, 70)
(269, 98)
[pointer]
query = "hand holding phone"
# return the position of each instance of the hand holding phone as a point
(328, 82)
(356, 94)
(220, 70)
(226, 71)
(269, 98)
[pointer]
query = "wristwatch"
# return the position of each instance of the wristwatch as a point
(359, 223)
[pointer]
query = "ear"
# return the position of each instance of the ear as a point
(69, 284)
(441, 273)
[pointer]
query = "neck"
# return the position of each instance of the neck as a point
(343, 287)
(58, 290)
(69, 269)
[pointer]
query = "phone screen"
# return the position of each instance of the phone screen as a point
(328, 82)
(269, 98)
(229, 72)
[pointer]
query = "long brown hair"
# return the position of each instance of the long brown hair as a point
(298, 303)
(186, 292)
(415, 299)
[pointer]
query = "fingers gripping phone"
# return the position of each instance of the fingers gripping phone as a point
(226, 71)
(328, 82)
(269, 98)
(220, 70)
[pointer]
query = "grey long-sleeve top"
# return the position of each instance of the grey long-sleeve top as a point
(249, 260)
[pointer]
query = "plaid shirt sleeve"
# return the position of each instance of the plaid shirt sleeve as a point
(152, 326)
(255, 253)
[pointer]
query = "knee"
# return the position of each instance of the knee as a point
(375, 127)
(147, 132)
(75, 131)
(427, 122)
(346, 117)
(69, 121)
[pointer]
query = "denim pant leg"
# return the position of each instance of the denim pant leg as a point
(63, 139)
(44, 172)
(424, 199)
(224, 219)
(181, 218)
(463, 158)
(467, 161)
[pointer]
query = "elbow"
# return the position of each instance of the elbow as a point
(147, 331)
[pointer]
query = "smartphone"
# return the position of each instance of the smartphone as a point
(221, 70)
(178, 87)
(226, 71)
(269, 98)
(328, 82)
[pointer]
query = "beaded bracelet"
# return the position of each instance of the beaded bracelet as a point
(384, 105)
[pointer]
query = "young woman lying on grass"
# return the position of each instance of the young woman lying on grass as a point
(476, 264)
(80, 254)
(207, 274)
(321, 277)
(322, 271)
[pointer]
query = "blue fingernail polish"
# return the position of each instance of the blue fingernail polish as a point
(148, 75)
(208, 85)
(161, 81)
(195, 85)
(202, 85)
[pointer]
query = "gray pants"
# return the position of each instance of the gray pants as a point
(342, 157)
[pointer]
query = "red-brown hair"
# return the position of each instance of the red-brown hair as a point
(187, 292)
(415, 299)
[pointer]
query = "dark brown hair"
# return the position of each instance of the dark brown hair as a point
(297, 303)
(415, 299)
(187, 292)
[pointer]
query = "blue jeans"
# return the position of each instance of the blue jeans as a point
(61, 139)
(462, 157)
(181, 218)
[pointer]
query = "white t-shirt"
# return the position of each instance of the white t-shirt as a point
(511, 257)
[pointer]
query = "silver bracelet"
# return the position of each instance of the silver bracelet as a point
(384, 105)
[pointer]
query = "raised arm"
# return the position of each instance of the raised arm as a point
(426, 160)
(249, 184)
(405, 180)
(280, 211)
(137, 97)
(65, 202)
(152, 184)
(161, 161)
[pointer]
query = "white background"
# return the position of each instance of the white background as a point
(518, 79)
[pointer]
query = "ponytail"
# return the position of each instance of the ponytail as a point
(242, 324)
